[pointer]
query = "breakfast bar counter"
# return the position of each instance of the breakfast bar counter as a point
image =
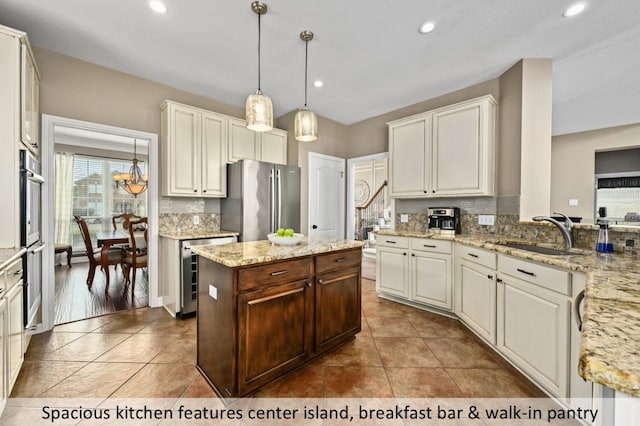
(264, 310)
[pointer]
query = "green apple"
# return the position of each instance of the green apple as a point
(289, 232)
(281, 232)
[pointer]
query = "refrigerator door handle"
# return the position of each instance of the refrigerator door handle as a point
(272, 204)
(279, 221)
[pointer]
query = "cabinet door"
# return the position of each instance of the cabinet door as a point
(462, 149)
(533, 332)
(408, 158)
(273, 146)
(431, 279)
(214, 156)
(275, 328)
(3, 342)
(29, 98)
(392, 271)
(15, 352)
(242, 142)
(476, 298)
(338, 308)
(183, 151)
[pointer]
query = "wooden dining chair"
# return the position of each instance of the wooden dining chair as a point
(136, 256)
(113, 257)
(124, 220)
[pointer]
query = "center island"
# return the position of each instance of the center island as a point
(264, 310)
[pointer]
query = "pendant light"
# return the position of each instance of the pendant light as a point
(259, 109)
(134, 182)
(306, 123)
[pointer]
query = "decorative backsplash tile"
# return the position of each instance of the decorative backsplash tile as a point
(509, 225)
(183, 222)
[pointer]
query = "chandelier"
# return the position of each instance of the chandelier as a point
(134, 182)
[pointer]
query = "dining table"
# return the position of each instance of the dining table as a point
(107, 239)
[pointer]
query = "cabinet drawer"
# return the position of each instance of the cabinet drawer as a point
(272, 273)
(338, 260)
(427, 244)
(12, 275)
(392, 241)
(544, 276)
(476, 255)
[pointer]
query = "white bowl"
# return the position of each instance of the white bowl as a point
(285, 241)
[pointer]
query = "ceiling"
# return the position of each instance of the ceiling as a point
(370, 54)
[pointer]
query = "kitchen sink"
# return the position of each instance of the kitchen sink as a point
(545, 250)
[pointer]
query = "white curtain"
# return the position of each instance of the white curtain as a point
(63, 193)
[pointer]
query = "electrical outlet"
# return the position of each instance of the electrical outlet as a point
(486, 219)
(196, 220)
(404, 218)
(213, 292)
(573, 201)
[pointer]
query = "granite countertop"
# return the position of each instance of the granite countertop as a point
(252, 252)
(610, 348)
(191, 235)
(8, 255)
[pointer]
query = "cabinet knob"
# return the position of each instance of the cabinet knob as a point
(309, 284)
(490, 276)
(498, 280)
(319, 282)
(204, 190)
(404, 254)
(195, 190)
(425, 191)
(433, 191)
(413, 255)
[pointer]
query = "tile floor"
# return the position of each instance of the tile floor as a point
(402, 352)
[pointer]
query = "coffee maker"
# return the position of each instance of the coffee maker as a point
(444, 219)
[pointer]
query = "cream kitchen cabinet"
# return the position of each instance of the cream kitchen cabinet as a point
(409, 156)
(445, 152)
(3, 365)
(534, 304)
(29, 100)
(13, 330)
(247, 144)
(475, 290)
(193, 151)
(415, 270)
(392, 266)
(463, 139)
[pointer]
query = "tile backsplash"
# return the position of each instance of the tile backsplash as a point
(183, 222)
(584, 236)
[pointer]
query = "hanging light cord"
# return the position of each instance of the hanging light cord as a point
(306, 56)
(259, 32)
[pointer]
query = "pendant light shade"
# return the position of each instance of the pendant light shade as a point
(259, 108)
(306, 123)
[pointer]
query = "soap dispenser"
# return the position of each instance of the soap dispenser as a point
(603, 245)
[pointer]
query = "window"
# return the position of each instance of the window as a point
(97, 199)
(619, 193)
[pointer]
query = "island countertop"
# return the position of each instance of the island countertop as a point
(609, 352)
(252, 252)
(193, 235)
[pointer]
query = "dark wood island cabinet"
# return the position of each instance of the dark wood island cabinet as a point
(265, 310)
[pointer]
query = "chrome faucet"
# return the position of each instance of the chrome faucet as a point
(564, 228)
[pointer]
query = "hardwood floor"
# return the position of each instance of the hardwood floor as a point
(74, 301)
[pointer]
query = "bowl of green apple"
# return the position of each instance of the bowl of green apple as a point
(285, 237)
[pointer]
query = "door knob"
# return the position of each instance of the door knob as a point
(314, 226)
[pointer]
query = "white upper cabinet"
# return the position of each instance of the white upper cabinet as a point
(408, 142)
(193, 152)
(29, 100)
(246, 144)
(445, 152)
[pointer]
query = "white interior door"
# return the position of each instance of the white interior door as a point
(326, 195)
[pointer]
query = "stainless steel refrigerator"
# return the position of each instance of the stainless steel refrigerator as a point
(261, 197)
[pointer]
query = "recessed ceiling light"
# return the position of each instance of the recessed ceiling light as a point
(427, 27)
(318, 83)
(157, 6)
(575, 9)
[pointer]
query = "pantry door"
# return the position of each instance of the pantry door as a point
(326, 196)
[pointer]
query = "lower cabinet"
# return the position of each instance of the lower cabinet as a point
(533, 324)
(416, 269)
(3, 365)
(14, 327)
(274, 332)
(258, 322)
(475, 290)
